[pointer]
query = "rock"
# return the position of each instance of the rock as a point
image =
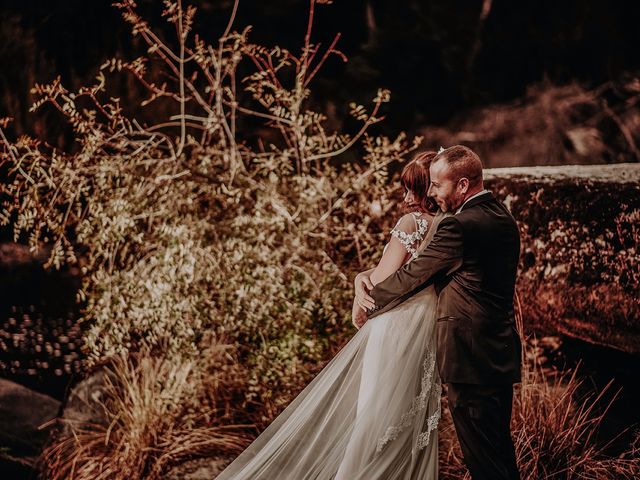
(198, 469)
(627, 173)
(580, 265)
(83, 403)
(24, 414)
(13, 255)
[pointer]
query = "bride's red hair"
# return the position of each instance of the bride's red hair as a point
(415, 177)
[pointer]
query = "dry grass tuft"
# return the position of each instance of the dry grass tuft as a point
(151, 424)
(553, 428)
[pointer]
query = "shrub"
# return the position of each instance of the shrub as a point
(189, 228)
(568, 123)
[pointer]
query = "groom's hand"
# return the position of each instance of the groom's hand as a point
(363, 285)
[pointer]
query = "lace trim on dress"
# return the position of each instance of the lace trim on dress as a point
(419, 403)
(410, 239)
(432, 421)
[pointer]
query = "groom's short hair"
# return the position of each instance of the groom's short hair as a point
(463, 163)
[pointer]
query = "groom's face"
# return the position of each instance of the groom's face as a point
(444, 189)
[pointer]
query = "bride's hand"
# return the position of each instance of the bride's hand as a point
(362, 284)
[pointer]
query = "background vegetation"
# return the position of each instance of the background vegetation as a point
(217, 213)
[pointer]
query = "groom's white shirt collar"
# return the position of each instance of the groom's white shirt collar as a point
(481, 192)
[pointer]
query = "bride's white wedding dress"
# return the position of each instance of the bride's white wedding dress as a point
(371, 413)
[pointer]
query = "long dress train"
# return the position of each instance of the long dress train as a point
(371, 413)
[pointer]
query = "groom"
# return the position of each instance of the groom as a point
(472, 263)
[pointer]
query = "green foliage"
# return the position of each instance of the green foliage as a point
(189, 225)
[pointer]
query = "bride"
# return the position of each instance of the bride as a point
(373, 411)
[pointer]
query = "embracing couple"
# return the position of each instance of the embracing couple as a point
(437, 309)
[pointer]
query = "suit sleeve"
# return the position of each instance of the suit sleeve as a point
(443, 255)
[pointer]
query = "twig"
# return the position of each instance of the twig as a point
(329, 51)
(370, 121)
(15, 159)
(344, 195)
(231, 19)
(182, 38)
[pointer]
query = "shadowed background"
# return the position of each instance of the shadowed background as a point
(523, 83)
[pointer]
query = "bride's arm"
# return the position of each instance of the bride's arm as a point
(362, 281)
(361, 285)
(397, 251)
(366, 273)
(393, 257)
(443, 255)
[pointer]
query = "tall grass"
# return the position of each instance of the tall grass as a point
(150, 420)
(553, 426)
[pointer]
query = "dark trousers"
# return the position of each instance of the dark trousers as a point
(482, 417)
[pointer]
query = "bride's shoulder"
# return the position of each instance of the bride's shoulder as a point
(423, 216)
(406, 223)
(413, 222)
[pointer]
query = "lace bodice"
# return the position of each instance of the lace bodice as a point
(411, 240)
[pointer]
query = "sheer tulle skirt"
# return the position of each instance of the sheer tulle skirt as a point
(371, 413)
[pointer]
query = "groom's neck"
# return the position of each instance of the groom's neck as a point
(472, 192)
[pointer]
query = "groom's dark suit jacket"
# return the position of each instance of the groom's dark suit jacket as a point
(472, 261)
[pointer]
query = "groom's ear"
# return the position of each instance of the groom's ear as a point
(463, 185)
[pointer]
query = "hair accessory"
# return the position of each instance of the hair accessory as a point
(440, 151)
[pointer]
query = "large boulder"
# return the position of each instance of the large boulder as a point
(580, 264)
(25, 423)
